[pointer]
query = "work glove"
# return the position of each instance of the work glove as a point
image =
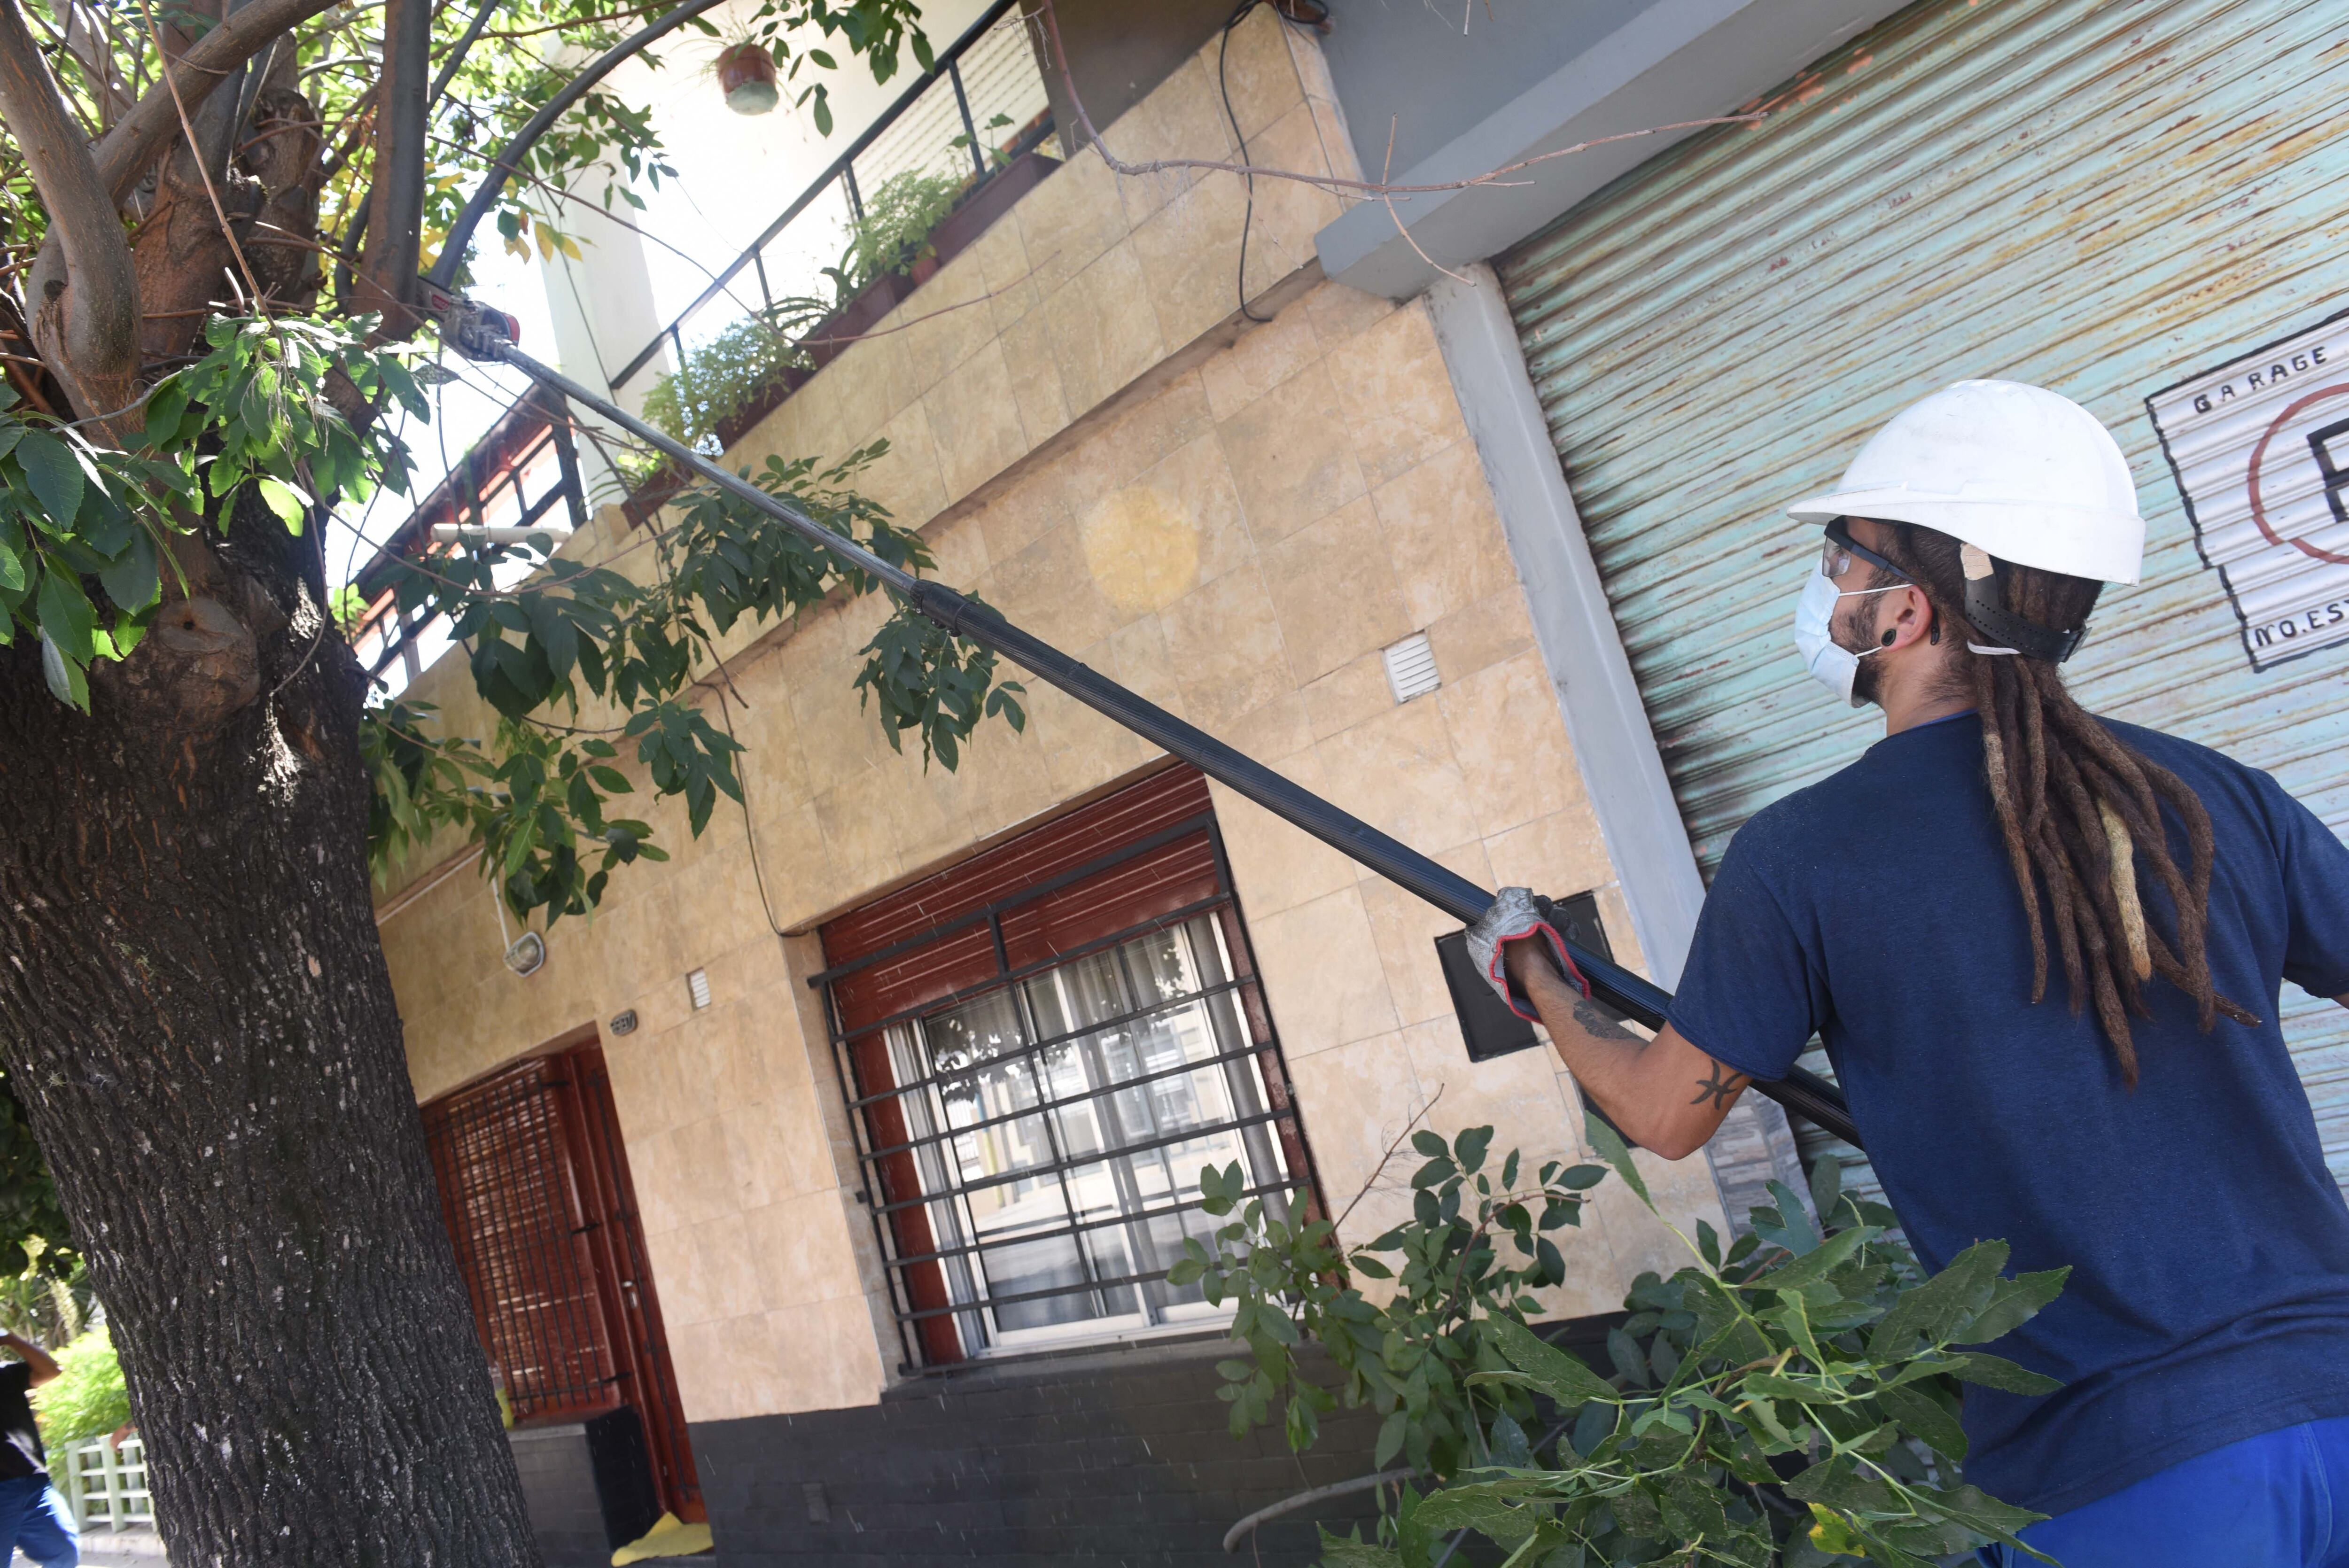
(1515, 917)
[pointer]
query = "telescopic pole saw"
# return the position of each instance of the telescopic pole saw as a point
(480, 332)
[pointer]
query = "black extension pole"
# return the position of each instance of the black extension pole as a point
(1805, 1094)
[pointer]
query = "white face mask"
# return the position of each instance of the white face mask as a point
(1831, 665)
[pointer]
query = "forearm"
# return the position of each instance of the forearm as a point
(44, 1368)
(1664, 1094)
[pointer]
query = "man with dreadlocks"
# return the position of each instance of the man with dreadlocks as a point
(2044, 951)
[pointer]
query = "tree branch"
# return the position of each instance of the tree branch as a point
(396, 220)
(84, 290)
(125, 153)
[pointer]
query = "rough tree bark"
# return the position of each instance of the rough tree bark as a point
(194, 1007)
(194, 1003)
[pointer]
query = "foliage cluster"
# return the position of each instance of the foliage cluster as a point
(572, 637)
(1792, 1399)
(893, 231)
(719, 379)
(1409, 1356)
(253, 410)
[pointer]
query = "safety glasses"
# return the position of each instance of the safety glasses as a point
(1836, 555)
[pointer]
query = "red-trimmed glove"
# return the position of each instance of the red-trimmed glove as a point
(1515, 917)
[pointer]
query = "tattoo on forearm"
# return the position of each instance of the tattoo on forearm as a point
(1594, 1021)
(1720, 1089)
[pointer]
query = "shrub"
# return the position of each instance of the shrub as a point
(87, 1399)
(1792, 1400)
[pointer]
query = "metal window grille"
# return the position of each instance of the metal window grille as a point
(1042, 1049)
(535, 1190)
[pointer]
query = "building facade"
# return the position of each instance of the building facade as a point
(882, 1097)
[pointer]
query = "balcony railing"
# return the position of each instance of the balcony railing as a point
(988, 77)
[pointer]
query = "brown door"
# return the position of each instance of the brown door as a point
(535, 1188)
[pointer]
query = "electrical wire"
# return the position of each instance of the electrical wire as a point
(1223, 86)
(742, 779)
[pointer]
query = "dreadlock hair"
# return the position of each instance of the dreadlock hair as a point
(2080, 809)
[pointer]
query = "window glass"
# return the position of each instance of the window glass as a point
(1060, 1124)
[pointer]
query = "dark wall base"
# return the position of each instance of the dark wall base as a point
(588, 1487)
(1118, 1456)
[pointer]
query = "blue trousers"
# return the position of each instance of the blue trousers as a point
(2277, 1500)
(33, 1519)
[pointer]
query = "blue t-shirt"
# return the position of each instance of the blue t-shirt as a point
(2209, 1299)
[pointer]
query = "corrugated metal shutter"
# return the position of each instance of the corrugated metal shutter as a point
(2101, 197)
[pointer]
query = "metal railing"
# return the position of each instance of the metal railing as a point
(989, 72)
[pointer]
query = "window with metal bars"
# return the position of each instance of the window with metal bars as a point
(1043, 1046)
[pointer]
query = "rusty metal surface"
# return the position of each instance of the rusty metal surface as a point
(2100, 198)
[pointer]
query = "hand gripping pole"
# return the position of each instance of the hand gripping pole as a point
(483, 335)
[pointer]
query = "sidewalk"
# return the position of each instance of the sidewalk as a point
(106, 1549)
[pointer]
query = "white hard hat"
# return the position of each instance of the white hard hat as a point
(2019, 471)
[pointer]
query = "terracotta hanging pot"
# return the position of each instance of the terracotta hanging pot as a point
(747, 73)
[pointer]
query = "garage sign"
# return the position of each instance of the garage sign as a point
(2261, 451)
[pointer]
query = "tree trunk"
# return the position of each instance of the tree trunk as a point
(195, 1010)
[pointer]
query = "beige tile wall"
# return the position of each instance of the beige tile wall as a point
(1234, 522)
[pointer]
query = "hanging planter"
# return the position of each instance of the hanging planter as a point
(747, 73)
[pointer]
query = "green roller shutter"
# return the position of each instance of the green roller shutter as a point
(2104, 199)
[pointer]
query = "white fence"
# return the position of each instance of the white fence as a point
(105, 1485)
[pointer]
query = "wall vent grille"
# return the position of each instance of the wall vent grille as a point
(1411, 668)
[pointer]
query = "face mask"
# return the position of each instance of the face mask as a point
(1831, 665)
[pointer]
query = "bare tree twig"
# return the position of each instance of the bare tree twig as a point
(1404, 229)
(1380, 1169)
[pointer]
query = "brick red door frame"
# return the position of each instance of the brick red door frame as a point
(536, 1194)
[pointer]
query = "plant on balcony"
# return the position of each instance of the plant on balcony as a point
(721, 377)
(1792, 1399)
(894, 232)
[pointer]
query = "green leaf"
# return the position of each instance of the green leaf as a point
(1434, 1173)
(1794, 1231)
(65, 680)
(1817, 1263)
(66, 619)
(132, 582)
(1553, 1371)
(1391, 1435)
(1430, 1144)
(1997, 1372)
(2013, 1302)
(1987, 1515)
(1610, 1147)
(281, 499)
(1827, 1185)
(49, 468)
(1470, 1147)
(1933, 1311)
(1923, 1416)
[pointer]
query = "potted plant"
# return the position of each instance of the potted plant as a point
(746, 73)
